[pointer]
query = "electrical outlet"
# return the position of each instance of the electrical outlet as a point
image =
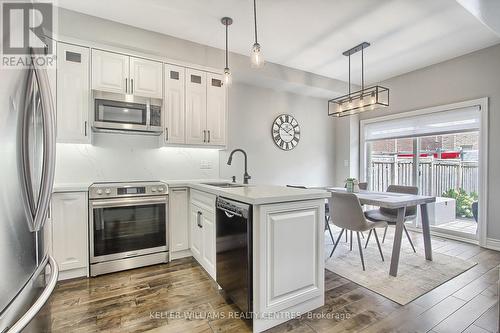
(204, 164)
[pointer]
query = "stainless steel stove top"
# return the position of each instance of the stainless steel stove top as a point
(127, 189)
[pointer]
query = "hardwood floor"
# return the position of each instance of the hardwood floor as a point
(181, 297)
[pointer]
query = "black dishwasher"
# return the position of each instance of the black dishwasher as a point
(234, 251)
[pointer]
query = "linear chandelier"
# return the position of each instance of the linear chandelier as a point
(362, 100)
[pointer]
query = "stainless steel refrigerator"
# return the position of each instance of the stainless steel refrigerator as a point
(27, 157)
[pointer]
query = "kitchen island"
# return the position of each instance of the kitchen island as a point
(287, 239)
(287, 243)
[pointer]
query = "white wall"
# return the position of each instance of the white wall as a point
(253, 110)
(117, 157)
(346, 146)
(467, 77)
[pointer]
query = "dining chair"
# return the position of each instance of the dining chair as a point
(327, 213)
(346, 213)
(362, 186)
(390, 216)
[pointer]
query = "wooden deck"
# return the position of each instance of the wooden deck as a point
(160, 298)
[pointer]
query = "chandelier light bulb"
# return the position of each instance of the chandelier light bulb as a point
(256, 56)
(228, 79)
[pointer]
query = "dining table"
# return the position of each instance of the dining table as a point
(399, 202)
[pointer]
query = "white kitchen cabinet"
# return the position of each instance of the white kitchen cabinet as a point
(203, 231)
(288, 259)
(69, 219)
(216, 110)
(73, 94)
(205, 108)
(196, 243)
(146, 78)
(110, 71)
(196, 106)
(208, 226)
(123, 74)
(178, 220)
(174, 104)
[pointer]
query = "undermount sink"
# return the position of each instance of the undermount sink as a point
(223, 185)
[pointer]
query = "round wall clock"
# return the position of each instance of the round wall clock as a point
(286, 132)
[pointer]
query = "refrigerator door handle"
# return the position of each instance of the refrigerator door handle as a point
(44, 296)
(49, 148)
(38, 208)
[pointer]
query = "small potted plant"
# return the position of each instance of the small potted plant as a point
(352, 185)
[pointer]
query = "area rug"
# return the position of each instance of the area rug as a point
(416, 276)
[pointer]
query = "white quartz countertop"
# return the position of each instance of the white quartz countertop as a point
(262, 194)
(70, 187)
(252, 194)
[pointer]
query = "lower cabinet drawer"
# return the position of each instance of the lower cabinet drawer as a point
(203, 199)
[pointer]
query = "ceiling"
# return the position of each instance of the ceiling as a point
(311, 35)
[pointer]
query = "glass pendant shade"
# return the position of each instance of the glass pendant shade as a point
(363, 100)
(256, 56)
(228, 79)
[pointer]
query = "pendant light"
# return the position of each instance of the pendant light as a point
(363, 100)
(227, 21)
(256, 55)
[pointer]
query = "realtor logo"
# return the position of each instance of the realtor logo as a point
(27, 34)
(27, 27)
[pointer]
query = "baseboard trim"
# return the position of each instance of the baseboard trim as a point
(180, 254)
(72, 273)
(447, 235)
(493, 244)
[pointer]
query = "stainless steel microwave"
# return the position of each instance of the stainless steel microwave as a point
(139, 115)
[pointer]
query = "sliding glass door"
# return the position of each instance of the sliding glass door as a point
(438, 153)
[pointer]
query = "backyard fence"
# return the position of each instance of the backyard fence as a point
(436, 175)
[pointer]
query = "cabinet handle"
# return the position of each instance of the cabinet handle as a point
(166, 133)
(204, 136)
(85, 128)
(131, 86)
(126, 85)
(199, 220)
(208, 136)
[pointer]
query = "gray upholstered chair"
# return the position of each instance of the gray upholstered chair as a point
(327, 213)
(362, 186)
(346, 213)
(390, 215)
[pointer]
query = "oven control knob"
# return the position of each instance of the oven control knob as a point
(153, 189)
(160, 189)
(99, 191)
(107, 191)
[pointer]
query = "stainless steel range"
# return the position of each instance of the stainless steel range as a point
(127, 225)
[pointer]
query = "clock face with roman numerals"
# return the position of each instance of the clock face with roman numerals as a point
(286, 132)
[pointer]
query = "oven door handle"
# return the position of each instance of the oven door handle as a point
(105, 203)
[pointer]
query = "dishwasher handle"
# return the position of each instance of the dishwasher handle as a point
(230, 213)
(233, 208)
